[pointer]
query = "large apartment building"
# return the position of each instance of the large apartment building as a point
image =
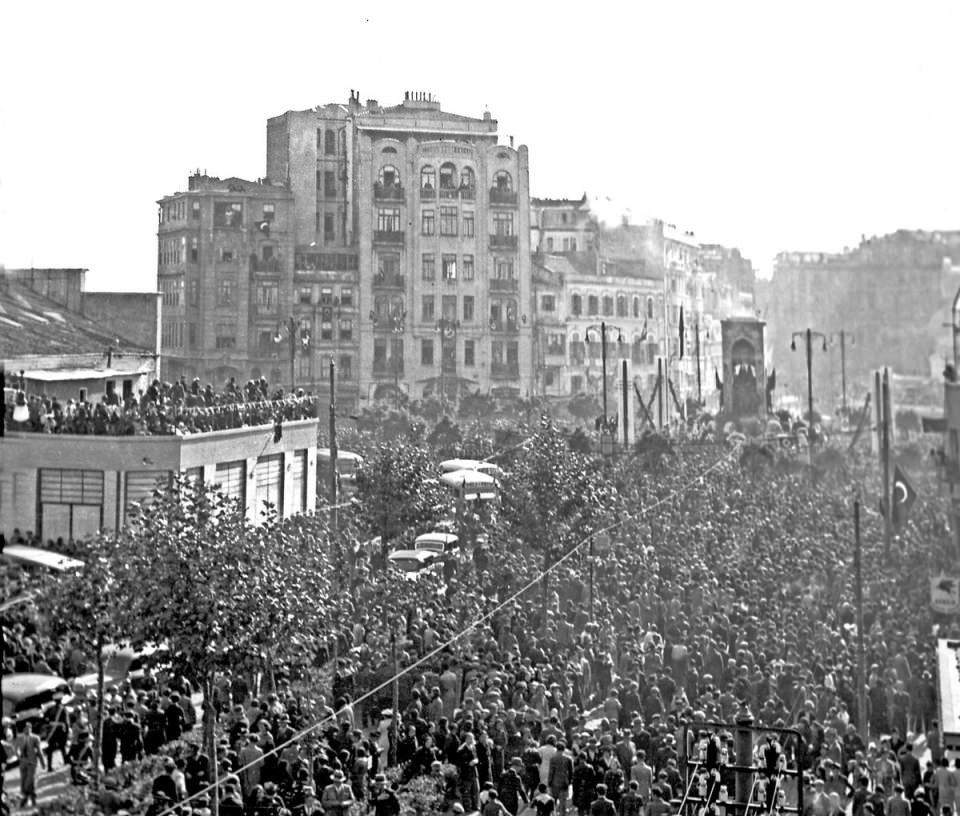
(428, 215)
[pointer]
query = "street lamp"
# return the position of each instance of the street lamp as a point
(808, 336)
(295, 334)
(843, 336)
(603, 328)
(447, 328)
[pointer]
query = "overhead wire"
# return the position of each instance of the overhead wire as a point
(487, 616)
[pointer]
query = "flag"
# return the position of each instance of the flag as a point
(772, 380)
(719, 382)
(945, 594)
(643, 334)
(264, 227)
(680, 330)
(903, 497)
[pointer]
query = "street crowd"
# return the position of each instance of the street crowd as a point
(733, 598)
(164, 409)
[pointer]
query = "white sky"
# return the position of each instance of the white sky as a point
(765, 125)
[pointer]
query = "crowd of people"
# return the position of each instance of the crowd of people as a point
(734, 597)
(164, 409)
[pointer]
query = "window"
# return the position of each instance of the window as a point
(467, 180)
(326, 323)
(346, 367)
(329, 184)
(346, 296)
(226, 290)
(326, 296)
(448, 174)
(428, 265)
(396, 355)
(269, 212)
(549, 244)
(388, 268)
(195, 212)
(269, 483)
(555, 343)
(226, 255)
(496, 352)
(576, 305)
(448, 307)
(71, 502)
(576, 384)
(468, 308)
(232, 479)
(428, 222)
(227, 214)
(650, 308)
(265, 343)
(388, 176)
(330, 143)
(593, 305)
(268, 295)
(266, 252)
(449, 267)
(621, 306)
(503, 223)
(448, 220)
(513, 353)
(503, 182)
(329, 230)
(305, 295)
(428, 178)
(172, 290)
(388, 219)
(426, 352)
(503, 268)
(194, 250)
(379, 354)
(346, 328)
(427, 308)
(636, 306)
(548, 303)
(226, 336)
(191, 335)
(496, 316)
(607, 306)
(468, 225)
(298, 480)
(467, 267)
(468, 353)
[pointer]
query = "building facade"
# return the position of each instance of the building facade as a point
(435, 213)
(225, 274)
(560, 225)
(67, 486)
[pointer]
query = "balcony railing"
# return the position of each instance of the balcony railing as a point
(503, 241)
(504, 198)
(505, 370)
(449, 193)
(428, 193)
(505, 326)
(387, 368)
(261, 265)
(381, 281)
(468, 193)
(388, 192)
(393, 237)
(504, 284)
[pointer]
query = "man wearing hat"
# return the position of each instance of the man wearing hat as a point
(231, 804)
(382, 798)
(164, 784)
(337, 797)
(511, 786)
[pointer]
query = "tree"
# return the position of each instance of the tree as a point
(89, 604)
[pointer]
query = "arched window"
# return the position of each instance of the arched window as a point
(448, 175)
(467, 180)
(576, 304)
(636, 306)
(330, 143)
(607, 306)
(652, 349)
(503, 181)
(391, 150)
(388, 176)
(621, 306)
(428, 178)
(650, 308)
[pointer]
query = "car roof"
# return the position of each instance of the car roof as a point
(21, 685)
(341, 454)
(436, 535)
(41, 558)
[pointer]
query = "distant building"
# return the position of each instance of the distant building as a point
(429, 215)
(65, 287)
(559, 225)
(890, 295)
(225, 273)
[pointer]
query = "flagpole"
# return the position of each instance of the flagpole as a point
(699, 387)
(885, 454)
(861, 652)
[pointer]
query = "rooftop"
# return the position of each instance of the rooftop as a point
(32, 325)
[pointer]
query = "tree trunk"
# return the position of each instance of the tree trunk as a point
(98, 735)
(210, 738)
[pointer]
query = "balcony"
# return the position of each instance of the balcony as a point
(449, 366)
(391, 237)
(387, 192)
(504, 326)
(502, 198)
(381, 281)
(449, 193)
(468, 193)
(387, 368)
(504, 284)
(261, 265)
(428, 193)
(505, 371)
(503, 242)
(577, 357)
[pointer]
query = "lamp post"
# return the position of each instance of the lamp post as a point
(603, 328)
(808, 336)
(397, 327)
(843, 336)
(447, 328)
(295, 334)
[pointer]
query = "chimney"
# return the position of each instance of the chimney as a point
(486, 116)
(511, 141)
(372, 105)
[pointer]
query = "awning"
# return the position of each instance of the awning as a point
(71, 374)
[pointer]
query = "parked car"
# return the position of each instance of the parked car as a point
(27, 696)
(413, 563)
(438, 542)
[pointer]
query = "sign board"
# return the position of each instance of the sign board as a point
(945, 594)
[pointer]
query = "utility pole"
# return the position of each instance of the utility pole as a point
(861, 653)
(807, 337)
(625, 402)
(603, 357)
(591, 580)
(885, 453)
(697, 344)
(394, 740)
(334, 517)
(660, 397)
(843, 336)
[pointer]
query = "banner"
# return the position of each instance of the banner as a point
(945, 594)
